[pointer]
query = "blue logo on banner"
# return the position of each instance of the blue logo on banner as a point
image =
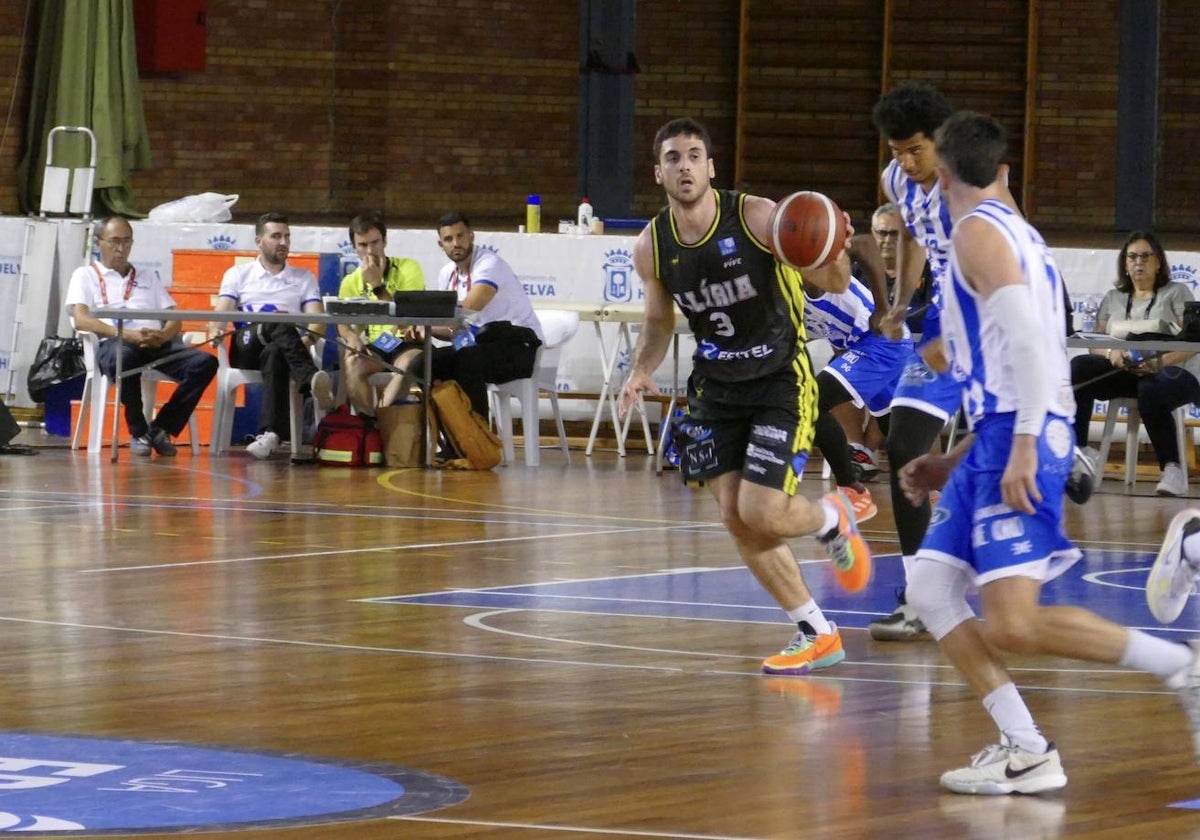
(50, 783)
(618, 276)
(221, 242)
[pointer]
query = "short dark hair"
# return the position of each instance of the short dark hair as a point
(910, 109)
(1161, 278)
(269, 218)
(452, 218)
(365, 223)
(972, 146)
(682, 126)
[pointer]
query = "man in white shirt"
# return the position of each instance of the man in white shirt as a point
(112, 281)
(280, 351)
(495, 302)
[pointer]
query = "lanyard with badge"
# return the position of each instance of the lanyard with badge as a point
(130, 285)
(386, 342)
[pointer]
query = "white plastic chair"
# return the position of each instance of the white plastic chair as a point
(95, 397)
(230, 378)
(1133, 423)
(558, 327)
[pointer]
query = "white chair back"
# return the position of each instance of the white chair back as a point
(558, 327)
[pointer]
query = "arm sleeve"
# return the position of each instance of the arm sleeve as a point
(1011, 307)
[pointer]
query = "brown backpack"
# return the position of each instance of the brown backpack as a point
(470, 435)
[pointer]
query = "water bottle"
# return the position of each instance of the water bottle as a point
(533, 214)
(584, 218)
(1090, 310)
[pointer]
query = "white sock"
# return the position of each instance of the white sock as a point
(831, 519)
(908, 560)
(811, 613)
(1169, 661)
(1191, 546)
(1013, 719)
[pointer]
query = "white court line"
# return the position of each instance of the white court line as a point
(479, 622)
(332, 552)
(525, 660)
(576, 829)
(601, 579)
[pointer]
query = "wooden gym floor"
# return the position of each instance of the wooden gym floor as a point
(575, 648)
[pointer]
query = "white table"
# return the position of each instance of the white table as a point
(120, 315)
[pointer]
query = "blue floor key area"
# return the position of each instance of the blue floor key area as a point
(1107, 580)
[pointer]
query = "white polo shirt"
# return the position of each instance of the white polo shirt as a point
(254, 289)
(510, 302)
(95, 286)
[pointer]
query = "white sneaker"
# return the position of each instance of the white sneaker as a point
(1189, 697)
(1003, 768)
(322, 390)
(1172, 578)
(1173, 481)
(264, 445)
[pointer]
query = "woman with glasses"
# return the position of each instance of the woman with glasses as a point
(1160, 382)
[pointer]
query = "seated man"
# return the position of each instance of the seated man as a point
(377, 278)
(280, 351)
(113, 281)
(489, 292)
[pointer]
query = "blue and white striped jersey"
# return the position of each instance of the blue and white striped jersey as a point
(980, 348)
(842, 318)
(923, 213)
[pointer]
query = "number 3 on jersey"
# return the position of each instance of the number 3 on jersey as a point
(724, 325)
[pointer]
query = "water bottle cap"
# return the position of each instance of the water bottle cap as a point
(534, 199)
(585, 200)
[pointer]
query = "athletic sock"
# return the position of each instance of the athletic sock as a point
(1013, 719)
(1169, 661)
(811, 614)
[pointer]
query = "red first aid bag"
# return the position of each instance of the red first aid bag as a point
(347, 440)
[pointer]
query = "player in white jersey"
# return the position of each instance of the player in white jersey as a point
(864, 373)
(998, 525)
(925, 400)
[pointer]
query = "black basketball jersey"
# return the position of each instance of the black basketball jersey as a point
(745, 308)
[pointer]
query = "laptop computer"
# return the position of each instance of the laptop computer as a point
(425, 304)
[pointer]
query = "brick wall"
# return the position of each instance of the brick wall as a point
(326, 108)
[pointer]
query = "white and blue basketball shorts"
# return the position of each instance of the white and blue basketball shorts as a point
(870, 370)
(972, 528)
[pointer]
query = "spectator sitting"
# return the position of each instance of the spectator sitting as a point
(279, 350)
(366, 347)
(489, 292)
(1161, 382)
(113, 281)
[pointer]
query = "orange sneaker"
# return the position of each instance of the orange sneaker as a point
(846, 547)
(861, 501)
(806, 653)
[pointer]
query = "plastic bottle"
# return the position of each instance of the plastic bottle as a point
(1090, 310)
(533, 214)
(584, 218)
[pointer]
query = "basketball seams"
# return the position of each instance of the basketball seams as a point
(832, 225)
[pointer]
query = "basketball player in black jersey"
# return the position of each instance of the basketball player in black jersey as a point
(752, 392)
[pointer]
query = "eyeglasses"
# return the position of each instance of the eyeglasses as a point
(1139, 256)
(118, 241)
(886, 234)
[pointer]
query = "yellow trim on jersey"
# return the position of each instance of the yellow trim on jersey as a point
(791, 287)
(707, 234)
(762, 246)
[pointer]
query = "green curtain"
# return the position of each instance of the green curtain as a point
(85, 74)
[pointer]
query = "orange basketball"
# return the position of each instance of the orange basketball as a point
(807, 230)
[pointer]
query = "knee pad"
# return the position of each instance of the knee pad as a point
(938, 592)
